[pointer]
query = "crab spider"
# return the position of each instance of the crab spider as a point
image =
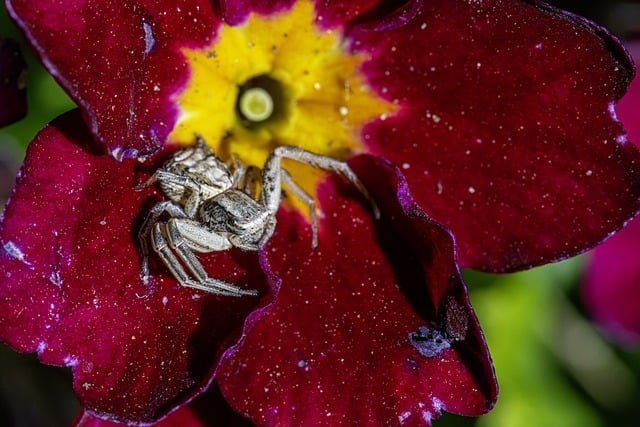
(212, 208)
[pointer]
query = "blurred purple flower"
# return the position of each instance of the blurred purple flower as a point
(611, 288)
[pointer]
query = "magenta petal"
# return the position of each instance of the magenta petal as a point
(70, 287)
(611, 288)
(120, 61)
(505, 129)
(13, 94)
(338, 13)
(369, 328)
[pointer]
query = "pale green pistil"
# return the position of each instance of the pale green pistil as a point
(256, 104)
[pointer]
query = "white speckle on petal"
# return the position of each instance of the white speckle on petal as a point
(403, 416)
(14, 252)
(70, 360)
(149, 40)
(55, 279)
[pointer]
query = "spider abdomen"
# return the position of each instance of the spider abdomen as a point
(233, 212)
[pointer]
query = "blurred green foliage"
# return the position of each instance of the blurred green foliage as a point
(553, 367)
(46, 99)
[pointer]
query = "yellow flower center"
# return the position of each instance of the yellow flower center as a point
(277, 80)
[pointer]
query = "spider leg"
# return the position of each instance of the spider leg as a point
(200, 142)
(182, 248)
(251, 180)
(161, 247)
(271, 180)
(307, 199)
(239, 170)
(269, 228)
(144, 233)
(153, 178)
(195, 190)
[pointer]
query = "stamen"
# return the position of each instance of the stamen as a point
(256, 104)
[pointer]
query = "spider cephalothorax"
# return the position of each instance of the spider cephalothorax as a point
(214, 207)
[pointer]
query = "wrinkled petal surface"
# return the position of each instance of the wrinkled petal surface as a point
(505, 131)
(611, 288)
(504, 118)
(13, 94)
(367, 317)
(71, 289)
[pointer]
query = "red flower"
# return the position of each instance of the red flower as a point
(498, 114)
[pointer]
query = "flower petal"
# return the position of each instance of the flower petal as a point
(236, 11)
(377, 316)
(120, 61)
(611, 288)
(208, 409)
(71, 288)
(505, 128)
(338, 13)
(628, 109)
(13, 95)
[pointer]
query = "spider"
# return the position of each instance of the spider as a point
(213, 208)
